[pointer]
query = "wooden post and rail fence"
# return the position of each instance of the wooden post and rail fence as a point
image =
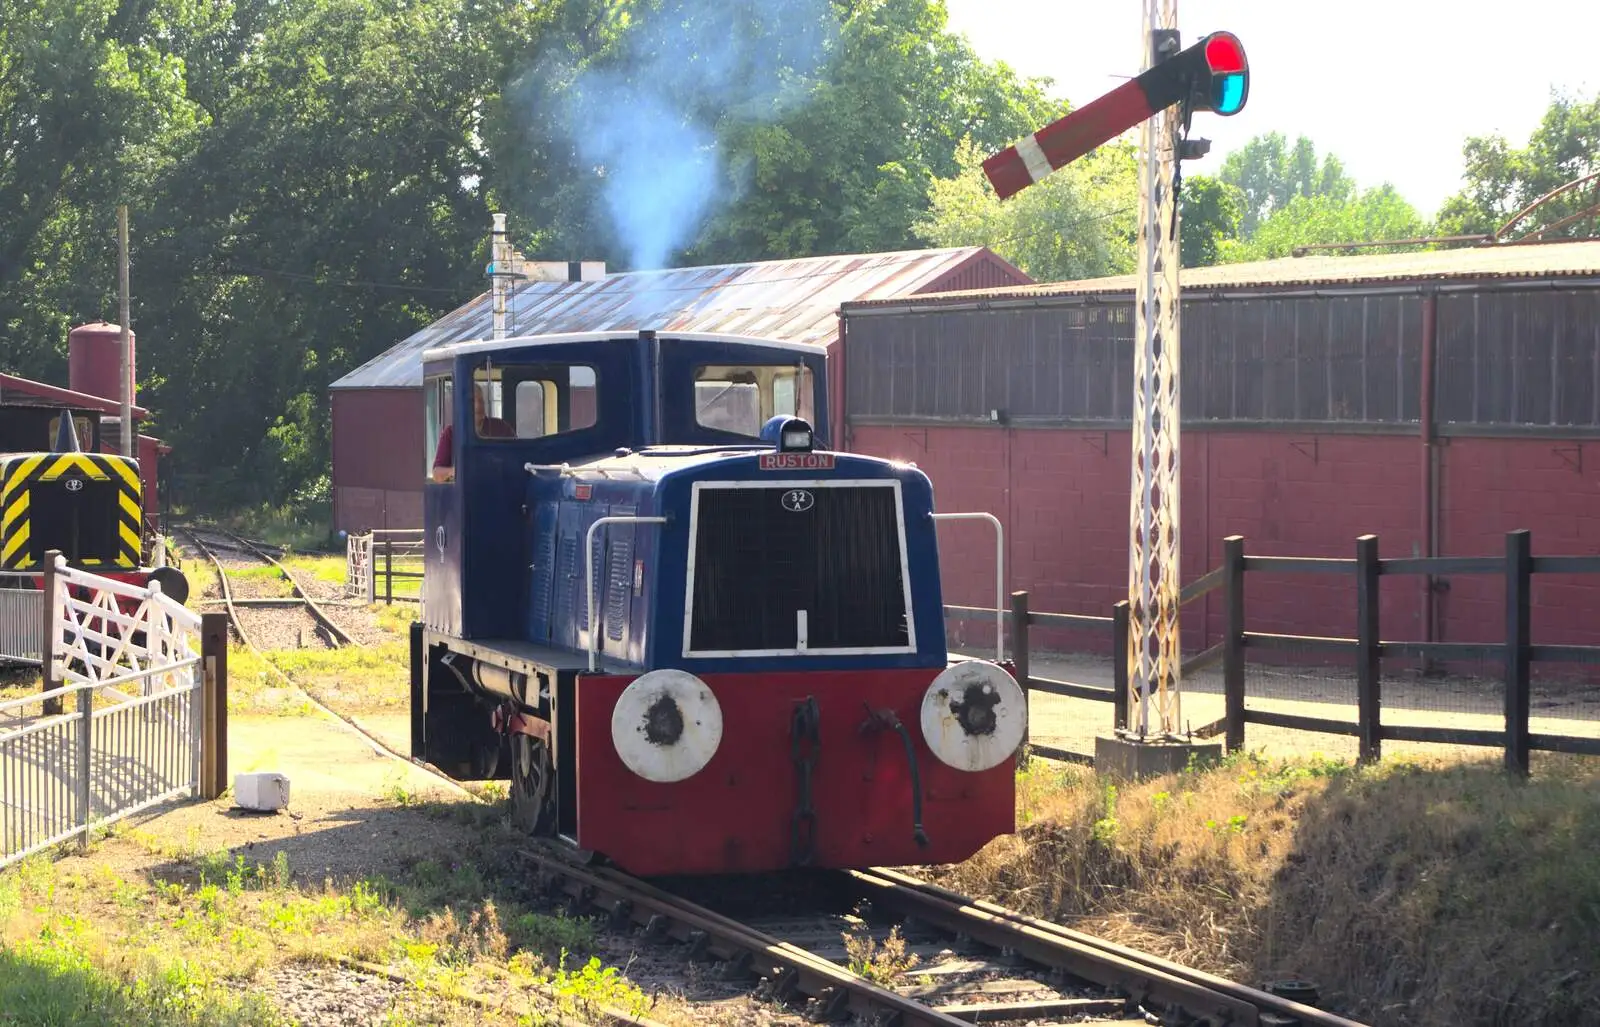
(1516, 653)
(392, 554)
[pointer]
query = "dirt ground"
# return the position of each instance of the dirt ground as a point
(341, 791)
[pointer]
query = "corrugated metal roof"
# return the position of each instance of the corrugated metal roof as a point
(1533, 261)
(17, 390)
(795, 300)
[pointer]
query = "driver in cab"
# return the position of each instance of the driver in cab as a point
(487, 428)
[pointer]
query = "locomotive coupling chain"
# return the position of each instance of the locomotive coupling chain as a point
(805, 743)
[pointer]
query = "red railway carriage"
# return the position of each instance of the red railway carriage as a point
(693, 638)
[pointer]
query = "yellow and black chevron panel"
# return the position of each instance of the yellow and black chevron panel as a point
(87, 505)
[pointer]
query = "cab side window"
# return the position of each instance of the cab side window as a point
(534, 401)
(742, 398)
(437, 433)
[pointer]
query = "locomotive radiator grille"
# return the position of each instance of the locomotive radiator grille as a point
(798, 567)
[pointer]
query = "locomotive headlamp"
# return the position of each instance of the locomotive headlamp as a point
(974, 716)
(789, 434)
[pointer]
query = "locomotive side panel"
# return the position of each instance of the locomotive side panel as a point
(535, 405)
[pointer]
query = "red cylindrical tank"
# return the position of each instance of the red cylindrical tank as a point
(94, 360)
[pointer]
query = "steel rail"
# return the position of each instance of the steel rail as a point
(789, 969)
(1083, 955)
(222, 585)
(335, 632)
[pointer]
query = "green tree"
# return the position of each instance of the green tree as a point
(853, 168)
(90, 92)
(1080, 222)
(1270, 174)
(1502, 180)
(329, 206)
(1210, 211)
(1375, 215)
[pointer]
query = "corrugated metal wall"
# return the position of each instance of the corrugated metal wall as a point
(1520, 358)
(1504, 358)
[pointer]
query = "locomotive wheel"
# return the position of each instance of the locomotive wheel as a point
(533, 778)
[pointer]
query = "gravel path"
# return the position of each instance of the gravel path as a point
(335, 995)
(284, 628)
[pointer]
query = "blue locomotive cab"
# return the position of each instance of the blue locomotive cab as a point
(496, 408)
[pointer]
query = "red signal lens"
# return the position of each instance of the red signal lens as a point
(1224, 53)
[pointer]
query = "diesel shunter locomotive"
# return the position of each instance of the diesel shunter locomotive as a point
(59, 492)
(694, 638)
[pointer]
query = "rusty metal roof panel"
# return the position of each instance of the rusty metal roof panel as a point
(1505, 262)
(796, 300)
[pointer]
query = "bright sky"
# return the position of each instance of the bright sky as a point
(1437, 72)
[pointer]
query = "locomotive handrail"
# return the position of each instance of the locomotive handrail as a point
(588, 577)
(999, 574)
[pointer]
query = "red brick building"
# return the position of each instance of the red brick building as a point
(1436, 400)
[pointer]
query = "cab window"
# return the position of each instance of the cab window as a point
(533, 401)
(740, 398)
(439, 406)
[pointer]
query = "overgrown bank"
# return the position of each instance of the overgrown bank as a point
(1412, 893)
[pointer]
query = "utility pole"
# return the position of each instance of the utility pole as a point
(1154, 654)
(126, 377)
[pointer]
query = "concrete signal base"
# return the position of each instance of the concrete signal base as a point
(1130, 757)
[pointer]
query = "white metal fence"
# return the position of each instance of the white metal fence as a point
(21, 619)
(390, 556)
(121, 729)
(358, 580)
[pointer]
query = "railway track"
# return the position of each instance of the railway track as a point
(979, 962)
(997, 965)
(299, 598)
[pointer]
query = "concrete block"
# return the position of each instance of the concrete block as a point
(263, 791)
(1130, 758)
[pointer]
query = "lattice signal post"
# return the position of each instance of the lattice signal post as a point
(1212, 75)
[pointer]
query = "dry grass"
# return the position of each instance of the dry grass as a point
(1413, 892)
(152, 933)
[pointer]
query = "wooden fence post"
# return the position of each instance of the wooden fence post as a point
(1519, 575)
(1019, 656)
(1233, 641)
(369, 558)
(1119, 666)
(1369, 706)
(50, 638)
(214, 689)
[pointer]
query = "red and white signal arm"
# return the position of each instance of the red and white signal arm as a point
(796, 462)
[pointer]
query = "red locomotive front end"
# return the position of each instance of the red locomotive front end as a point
(746, 773)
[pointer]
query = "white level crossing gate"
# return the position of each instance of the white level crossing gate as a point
(118, 726)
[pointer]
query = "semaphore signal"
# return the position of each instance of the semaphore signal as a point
(1212, 75)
